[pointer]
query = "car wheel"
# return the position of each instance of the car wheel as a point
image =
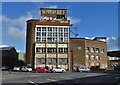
(80, 71)
(36, 71)
(54, 71)
(63, 71)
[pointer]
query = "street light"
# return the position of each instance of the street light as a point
(72, 58)
(75, 33)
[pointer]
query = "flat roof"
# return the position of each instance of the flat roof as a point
(52, 9)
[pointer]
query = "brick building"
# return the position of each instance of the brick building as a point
(47, 41)
(88, 52)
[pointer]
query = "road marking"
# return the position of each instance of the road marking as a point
(66, 78)
(34, 75)
(51, 80)
(31, 82)
(117, 77)
(3, 78)
(89, 75)
(60, 82)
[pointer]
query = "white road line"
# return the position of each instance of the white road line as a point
(51, 80)
(89, 75)
(117, 77)
(3, 78)
(31, 82)
(60, 82)
(66, 78)
(34, 76)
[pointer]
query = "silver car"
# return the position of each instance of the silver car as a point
(25, 68)
(16, 69)
(58, 69)
(83, 69)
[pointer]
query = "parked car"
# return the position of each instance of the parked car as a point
(58, 69)
(16, 69)
(4, 68)
(25, 68)
(41, 70)
(117, 68)
(82, 68)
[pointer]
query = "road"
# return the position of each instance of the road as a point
(71, 78)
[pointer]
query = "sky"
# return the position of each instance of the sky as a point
(92, 19)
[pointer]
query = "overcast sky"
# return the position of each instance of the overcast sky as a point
(92, 19)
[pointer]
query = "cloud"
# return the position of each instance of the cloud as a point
(16, 33)
(16, 28)
(73, 20)
(89, 38)
(51, 6)
(112, 43)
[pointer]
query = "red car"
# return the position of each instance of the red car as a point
(41, 70)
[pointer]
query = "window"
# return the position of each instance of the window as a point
(92, 49)
(65, 30)
(38, 39)
(97, 57)
(60, 50)
(49, 39)
(54, 50)
(65, 34)
(97, 64)
(51, 50)
(40, 50)
(87, 49)
(65, 39)
(97, 50)
(38, 34)
(87, 57)
(54, 29)
(40, 60)
(92, 57)
(54, 39)
(60, 16)
(38, 29)
(50, 34)
(49, 29)
(44, 34)
(60, 39)
(62, 60)
(60, 30)
(65, 50)
(54, 60)
(51, 60)
(43, 29)
(102, 50)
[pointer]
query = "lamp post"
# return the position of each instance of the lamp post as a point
(75, 33)
(72, 59)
